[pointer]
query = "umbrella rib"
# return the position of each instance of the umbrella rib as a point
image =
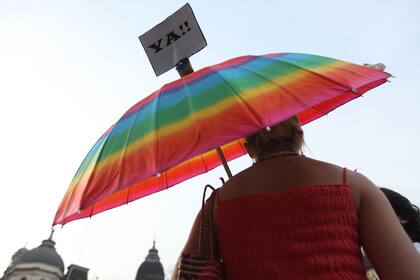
(95, 166)
(275, 83)
(310, 71)
(124, 152)
(204, 163)
(242, 100)
(156, 128)
(280, 86)
(73, 190)
(164, 176)
(192, 115)
(121, 159)
(165, 179)
(242, 147)
(316, 74)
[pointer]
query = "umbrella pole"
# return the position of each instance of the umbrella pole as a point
(184, 68)
(223, 159)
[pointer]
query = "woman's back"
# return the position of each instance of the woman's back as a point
(283, 172)
(299, 228)
(292, 217)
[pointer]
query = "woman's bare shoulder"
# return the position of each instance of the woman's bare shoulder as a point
(361, 185)
(275, 174)
(311, 162)
(236, 181)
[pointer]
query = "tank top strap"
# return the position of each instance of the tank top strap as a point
(344, 176)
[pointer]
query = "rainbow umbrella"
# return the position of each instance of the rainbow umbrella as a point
(170, 136)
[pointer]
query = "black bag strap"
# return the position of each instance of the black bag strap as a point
(212, 235)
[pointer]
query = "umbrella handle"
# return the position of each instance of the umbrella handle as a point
(184, 68)
(224, 162)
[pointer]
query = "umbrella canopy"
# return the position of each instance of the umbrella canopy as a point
(170, 136)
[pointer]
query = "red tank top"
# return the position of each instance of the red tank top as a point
(300, 233)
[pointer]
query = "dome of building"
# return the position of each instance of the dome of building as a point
(19, 253)
(44, 253)
(151, 268)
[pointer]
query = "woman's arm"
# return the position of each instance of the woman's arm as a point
(191, 245)
(386, 244)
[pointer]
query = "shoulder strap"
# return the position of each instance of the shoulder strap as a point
(344, 176)
(206, 219)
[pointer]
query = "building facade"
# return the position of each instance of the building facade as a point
(151, 268)
(42, 263)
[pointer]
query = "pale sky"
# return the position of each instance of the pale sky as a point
(70, 69)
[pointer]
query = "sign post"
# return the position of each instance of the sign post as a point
(170, 44)
(176, 38)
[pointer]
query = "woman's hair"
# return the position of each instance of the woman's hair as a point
(406, 211)
(284, 136)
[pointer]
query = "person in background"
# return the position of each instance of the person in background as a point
(407, 213)
(409, 217)
(293, 217)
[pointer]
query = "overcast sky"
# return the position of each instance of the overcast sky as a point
(70, 69)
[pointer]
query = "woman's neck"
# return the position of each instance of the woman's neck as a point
(276, 154)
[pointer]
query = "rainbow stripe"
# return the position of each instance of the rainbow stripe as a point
(173, 131)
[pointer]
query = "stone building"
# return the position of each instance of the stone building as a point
(151, 268)
(42, 263)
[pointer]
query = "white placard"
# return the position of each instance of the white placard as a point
(177, 37)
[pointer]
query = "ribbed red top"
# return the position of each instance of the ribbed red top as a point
(300, 233)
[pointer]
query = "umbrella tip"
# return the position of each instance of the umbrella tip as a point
(354, 90)
(377, 66)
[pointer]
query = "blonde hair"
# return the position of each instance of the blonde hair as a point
(284, 136)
